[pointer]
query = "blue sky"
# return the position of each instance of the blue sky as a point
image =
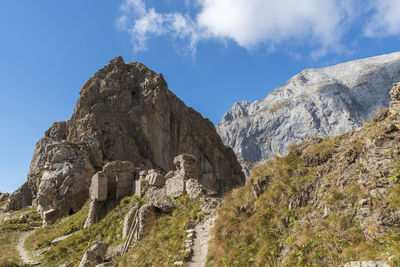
(211, 52)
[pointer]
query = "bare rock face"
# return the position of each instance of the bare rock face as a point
(126, 112)
(125, 119)
(316, 102)
(22, 197)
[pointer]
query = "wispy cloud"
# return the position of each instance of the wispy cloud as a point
(253, 23)
(143, 23)
(386, 19)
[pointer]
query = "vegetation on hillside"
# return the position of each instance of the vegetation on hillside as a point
(10, 230)
(164, 242)
(162, 245)
(71, 250)
(327, 203)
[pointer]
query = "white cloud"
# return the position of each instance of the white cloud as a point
(142, 23)
(250, 22)
(386, 20)
(319, 24)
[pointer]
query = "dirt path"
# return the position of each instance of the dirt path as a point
(200, 242)
(25, 258)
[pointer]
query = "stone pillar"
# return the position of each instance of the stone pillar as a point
(98, 187)
(124, 184)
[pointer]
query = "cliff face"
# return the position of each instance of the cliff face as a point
(328, 202)
(124, 112)
(316, 102)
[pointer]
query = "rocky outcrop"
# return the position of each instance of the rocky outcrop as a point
(125, 113)
(4, 196)
(316, 102)
(159, 198)
(185, 179)
(94, 255)
(22, 197)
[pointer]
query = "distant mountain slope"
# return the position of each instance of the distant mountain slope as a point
(316, 102)
(329, 202)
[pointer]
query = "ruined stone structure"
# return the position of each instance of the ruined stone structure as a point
(116, 180)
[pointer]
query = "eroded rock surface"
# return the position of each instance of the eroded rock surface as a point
(94, 255)
(125, 113)
(316, 102)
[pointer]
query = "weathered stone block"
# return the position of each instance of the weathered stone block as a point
(124, 184)
(155, 178)
(193, 188)
(118, 166)
(98, 188)
(175, 186)
(137, 188)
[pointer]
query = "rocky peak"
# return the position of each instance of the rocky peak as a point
(125, 113)
(316, 102)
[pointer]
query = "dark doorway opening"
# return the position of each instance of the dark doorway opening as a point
(71, 212)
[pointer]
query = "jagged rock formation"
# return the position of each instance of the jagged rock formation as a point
(328, 202)
(184, 180)
(316, 102)
(125, 112)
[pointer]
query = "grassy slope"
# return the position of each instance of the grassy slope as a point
(273, 229)
(71, 250)
(9, 254)
(9, 233)
(160, 247)
(165, 238)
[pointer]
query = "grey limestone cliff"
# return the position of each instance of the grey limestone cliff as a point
(125, 112)
(316, 102)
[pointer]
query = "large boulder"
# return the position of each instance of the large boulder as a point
(159, 199)
(125, 113)
(94, 255)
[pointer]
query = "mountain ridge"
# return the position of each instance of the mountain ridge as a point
(316, 102)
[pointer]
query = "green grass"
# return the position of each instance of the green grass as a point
(8, 252)
(14, 224)
(165, 238)
(71, 250)
(261, 230)
(10, 231)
